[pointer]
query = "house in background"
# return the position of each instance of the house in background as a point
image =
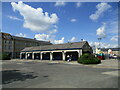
(115, 51)
(13, 45)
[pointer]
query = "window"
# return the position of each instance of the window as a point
(25, 43)
(5, 41)
(17, 42)
(9, 47)
(9, 42)
(37, 44)
(5, 47)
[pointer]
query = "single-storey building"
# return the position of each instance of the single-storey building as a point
(57, 51)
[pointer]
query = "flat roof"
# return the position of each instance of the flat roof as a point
(22, 38)
(113, 49)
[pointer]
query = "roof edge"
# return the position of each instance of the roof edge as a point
(52, 49)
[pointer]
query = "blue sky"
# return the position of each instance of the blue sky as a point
(63, 22)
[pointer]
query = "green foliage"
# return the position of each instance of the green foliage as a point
(88, 59)
(4, 56)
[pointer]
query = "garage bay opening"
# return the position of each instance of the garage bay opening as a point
(57, 56)
(72, 55)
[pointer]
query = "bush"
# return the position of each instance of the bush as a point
(4, 56)
(88, 59)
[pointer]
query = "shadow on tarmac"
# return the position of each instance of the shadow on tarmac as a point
(9, 76)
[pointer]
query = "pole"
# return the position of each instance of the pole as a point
(99, 41)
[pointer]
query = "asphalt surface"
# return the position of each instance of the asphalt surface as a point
(33, 74)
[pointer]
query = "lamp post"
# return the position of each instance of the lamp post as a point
(99, 41)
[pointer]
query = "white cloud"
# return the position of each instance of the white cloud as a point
(53, 31)
(35, 19)
(60, 3)
(101, 31)
(73, 20)
(42, 37)
(14, 18)
(103, 45)
(113, 27)
(114, 38)
(78, 4)
(101, 8)
(21, 35)
(55, 26)
(59, 41)
(73, 39)
(49, 37)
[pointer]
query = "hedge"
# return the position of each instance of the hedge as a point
(88, 59)
(4, 56)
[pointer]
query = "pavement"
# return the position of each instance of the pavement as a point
(108, 63)
(59, 74)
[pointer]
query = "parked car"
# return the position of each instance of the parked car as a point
(101, 56)
(113, 57)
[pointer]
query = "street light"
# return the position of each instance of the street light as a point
(99, 41)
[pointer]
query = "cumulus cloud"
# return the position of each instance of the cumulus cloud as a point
(73, 39)
(113, 26)
(35, 19)
(42, 37)
(59, 41)
(14, 18)
(103, 45)
(114, 38)
(60, 3)
(78, 4)
(53, 31)
(101, 31)
(73, 20)
(49, 37)
(21, 35)
(101, 8)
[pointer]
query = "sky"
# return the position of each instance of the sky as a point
(63, 22)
